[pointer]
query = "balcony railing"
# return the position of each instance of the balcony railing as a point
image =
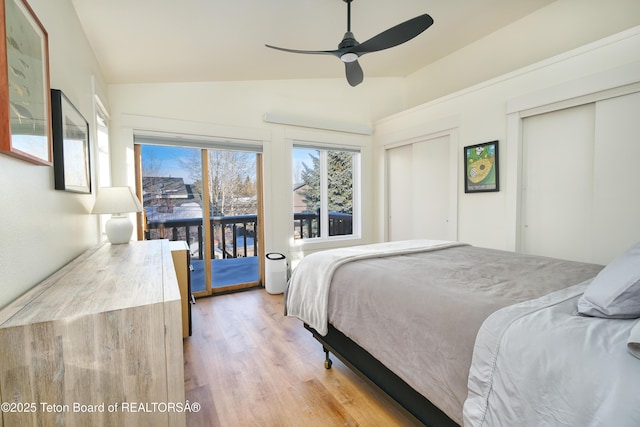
(236, 236)
(231, 236)
(307, 224)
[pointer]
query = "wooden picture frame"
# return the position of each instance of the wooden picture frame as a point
(71, 160)
(25, 109)
(481, 168)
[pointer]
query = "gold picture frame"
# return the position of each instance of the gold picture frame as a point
(25, 110)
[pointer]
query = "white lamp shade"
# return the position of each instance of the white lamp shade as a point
(117, 201)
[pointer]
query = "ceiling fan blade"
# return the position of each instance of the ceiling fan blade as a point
(394, 36)
(349, 49)
(311, 52)
(354, 73)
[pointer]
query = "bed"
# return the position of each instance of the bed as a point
(461, 335)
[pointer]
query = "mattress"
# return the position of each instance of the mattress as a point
(418, 313)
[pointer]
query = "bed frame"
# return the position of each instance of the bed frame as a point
(374, 372)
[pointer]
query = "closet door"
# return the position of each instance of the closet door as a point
(581, 191)
(400, 192)
(616, 222)
(419, 190)
(558, 150)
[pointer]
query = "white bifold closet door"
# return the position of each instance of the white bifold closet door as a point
(580, 184)
(419, 190)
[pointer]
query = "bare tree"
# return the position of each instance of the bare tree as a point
(228, 172)
(231, 178)
(193, 164)
(151, 165)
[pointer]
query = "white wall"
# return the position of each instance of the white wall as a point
(561, 26)
(236, 110)
(485, 112)
(41, 229)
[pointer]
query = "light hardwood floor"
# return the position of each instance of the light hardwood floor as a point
(249, 365)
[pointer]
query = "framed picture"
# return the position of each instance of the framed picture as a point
(481, 168)
(71, 166)
(25, 124)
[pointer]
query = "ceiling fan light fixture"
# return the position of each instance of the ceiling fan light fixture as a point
(349, 49)
(348, 57)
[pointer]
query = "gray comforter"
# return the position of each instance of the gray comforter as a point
(419, 313)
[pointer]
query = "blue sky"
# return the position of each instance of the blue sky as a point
(300, 155)
(169, 160)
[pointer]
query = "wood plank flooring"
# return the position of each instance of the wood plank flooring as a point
(249, 365)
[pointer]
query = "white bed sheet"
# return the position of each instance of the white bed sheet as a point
(307, 294)
(538, 364)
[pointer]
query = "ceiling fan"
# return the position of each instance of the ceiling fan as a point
(349, 50)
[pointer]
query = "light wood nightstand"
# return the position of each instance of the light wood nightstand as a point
(182, 262)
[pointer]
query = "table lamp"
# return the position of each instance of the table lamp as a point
(117, 201)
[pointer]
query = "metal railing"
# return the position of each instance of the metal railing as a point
(231, 236)
(236, 236)
(307, 224)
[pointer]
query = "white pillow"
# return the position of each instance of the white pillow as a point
(615, 291)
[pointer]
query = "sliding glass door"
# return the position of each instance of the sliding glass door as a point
(233, 198)
(209, 198)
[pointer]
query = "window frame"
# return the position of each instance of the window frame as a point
(323, 149)
(102, 149)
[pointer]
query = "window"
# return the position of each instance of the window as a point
(103, 152)
(104, 157)
(325, 192)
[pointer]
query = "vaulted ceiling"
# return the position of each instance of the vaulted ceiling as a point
(141, 41)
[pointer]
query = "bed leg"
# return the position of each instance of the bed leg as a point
(327, 360)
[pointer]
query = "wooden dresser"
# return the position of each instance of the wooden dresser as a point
(97, 343)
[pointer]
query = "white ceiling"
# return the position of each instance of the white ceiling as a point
(142, 41)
